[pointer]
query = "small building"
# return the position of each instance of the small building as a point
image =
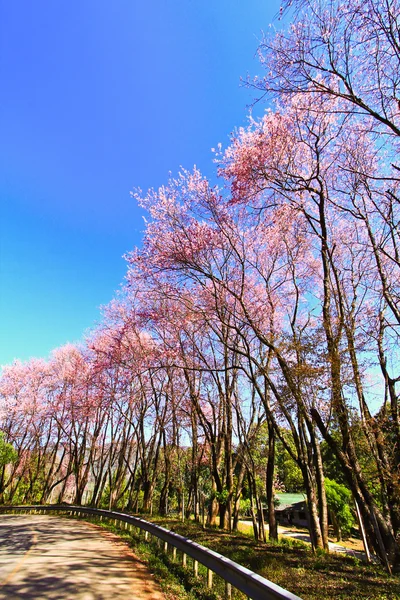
(291, 509)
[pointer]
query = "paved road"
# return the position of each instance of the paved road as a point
(47, 557)
(333, 547)
(304, 537)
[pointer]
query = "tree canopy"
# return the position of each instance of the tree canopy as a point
(268, 303)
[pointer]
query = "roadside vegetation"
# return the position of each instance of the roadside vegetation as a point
(288, 563)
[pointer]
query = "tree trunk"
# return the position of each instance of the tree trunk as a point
(272, 523)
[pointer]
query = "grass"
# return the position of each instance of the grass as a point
(291, 564)
(288, 563)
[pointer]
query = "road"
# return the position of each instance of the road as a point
(333, 547)
(305, 537)
(47, 557)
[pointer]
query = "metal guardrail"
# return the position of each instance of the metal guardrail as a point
(248, 582)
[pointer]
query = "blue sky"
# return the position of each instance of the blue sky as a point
(98, 98)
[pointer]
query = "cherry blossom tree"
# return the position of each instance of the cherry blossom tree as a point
(295, 158)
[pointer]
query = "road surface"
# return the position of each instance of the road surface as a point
(304, 536)
(43, 557)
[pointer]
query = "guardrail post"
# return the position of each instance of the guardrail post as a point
(209, 579)
(228, 591)
(165, 547)
(184, 559)
(174, 554)
(146, 535)
(195, 568)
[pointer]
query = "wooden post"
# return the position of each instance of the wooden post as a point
(174, 554)
(209, 579)
(184, 560)
(362, 531)
(228, 591)
(195, 568)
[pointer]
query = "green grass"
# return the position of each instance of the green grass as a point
(288, 563)
(292, 565)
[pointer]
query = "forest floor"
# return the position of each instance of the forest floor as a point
(291, 564)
